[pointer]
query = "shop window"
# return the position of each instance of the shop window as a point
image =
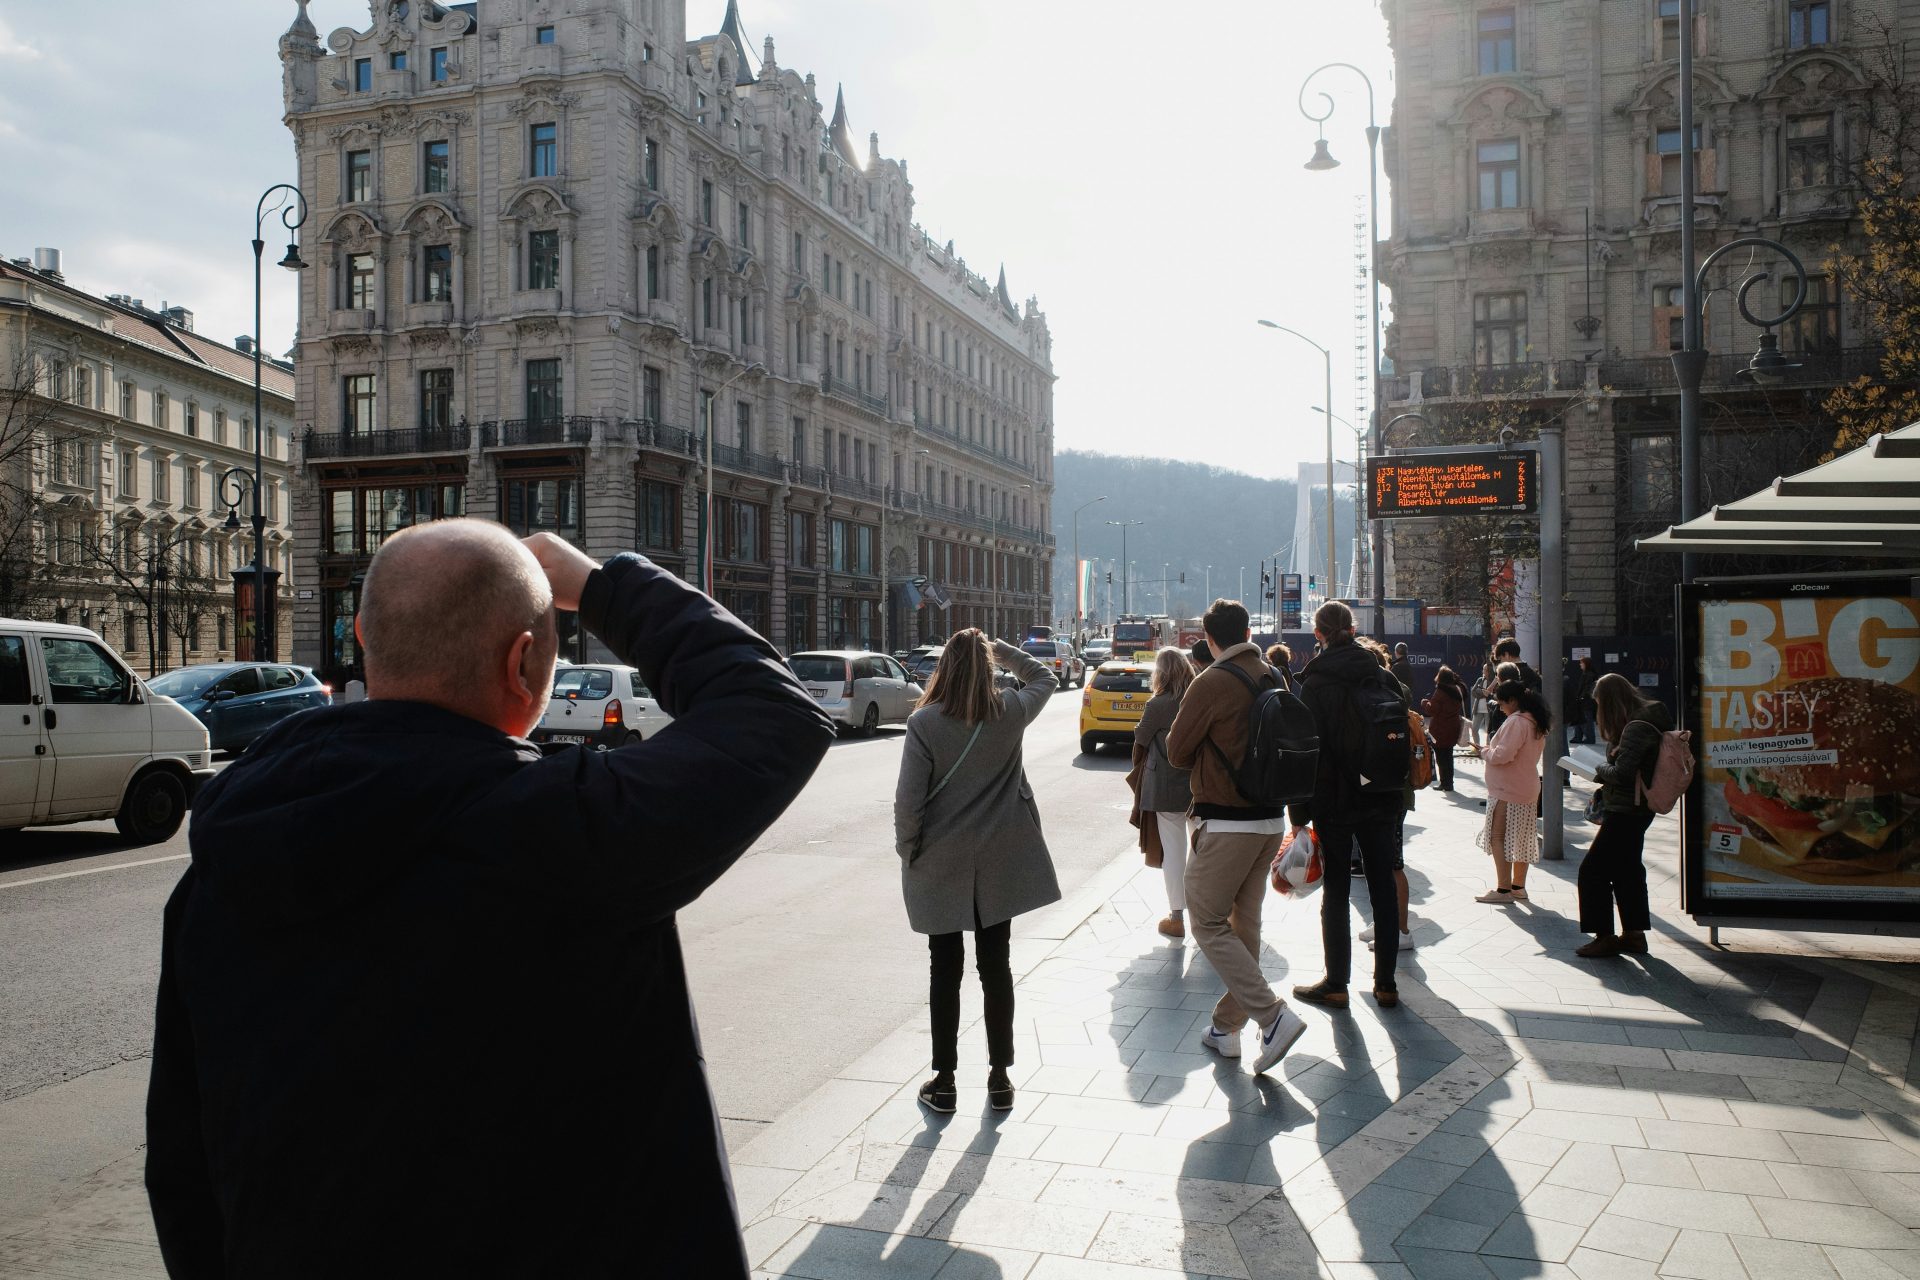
(659, 515)
(550, 504)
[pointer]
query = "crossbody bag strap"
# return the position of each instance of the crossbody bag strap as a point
(942, 784)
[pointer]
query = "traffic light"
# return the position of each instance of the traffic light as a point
(1183, 579)
(1109, 577)
(1312, 582)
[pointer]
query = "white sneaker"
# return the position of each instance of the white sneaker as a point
(1367, 934)
(1277, 1038)
(1406, 942)
(1227, 1046)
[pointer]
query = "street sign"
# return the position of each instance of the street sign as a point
(1466, 482)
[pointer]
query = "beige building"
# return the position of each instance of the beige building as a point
(556, 239)
(1534, 248)
(117, 425)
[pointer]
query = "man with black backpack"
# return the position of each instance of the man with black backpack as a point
(1249, 744)
(1366, 757)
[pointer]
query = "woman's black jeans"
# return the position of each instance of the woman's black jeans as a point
(1612, 872)
(990, 957)
(1443, 764)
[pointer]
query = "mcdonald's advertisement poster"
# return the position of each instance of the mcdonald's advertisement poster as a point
(1809, 759)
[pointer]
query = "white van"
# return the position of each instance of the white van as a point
(81, 738)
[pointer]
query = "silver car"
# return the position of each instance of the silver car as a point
(861, 691)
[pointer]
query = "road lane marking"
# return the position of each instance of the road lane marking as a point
(93, 871)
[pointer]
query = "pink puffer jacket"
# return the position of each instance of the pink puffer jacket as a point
(1513, 760)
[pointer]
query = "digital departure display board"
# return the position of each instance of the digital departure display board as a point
(1470, 482)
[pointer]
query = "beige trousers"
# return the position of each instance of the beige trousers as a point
(1226, 886)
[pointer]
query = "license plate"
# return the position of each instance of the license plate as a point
(567, 737)
(818, 693)
(1125, 708)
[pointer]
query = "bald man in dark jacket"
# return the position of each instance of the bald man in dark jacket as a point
(422, 1006)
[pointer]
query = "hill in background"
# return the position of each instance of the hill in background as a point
(1193, 516)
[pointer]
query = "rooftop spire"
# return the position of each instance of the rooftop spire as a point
(838, 129)
(730, 28)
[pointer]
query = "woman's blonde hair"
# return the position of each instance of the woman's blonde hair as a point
(1172, 673)
(962, 681)
(1616, 701)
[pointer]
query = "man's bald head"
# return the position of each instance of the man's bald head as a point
(441, 611)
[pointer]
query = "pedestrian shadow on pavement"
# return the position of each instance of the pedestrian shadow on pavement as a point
(24, 850)
(896, 1229)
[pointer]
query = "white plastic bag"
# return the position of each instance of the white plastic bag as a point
(1297, 871)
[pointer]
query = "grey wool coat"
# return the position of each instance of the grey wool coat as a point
(1163, 788)
(973, 855)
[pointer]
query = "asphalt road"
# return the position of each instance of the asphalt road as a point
(801, 957)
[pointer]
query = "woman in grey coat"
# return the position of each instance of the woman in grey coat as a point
(968, 835)
(1165, 791)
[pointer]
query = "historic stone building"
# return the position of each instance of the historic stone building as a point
(1534, 249)
(117, 425)
(556, 242)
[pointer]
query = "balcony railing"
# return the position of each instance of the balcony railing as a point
(734, 458)
(923, 423)
(853, 395)
(376, 444)
(658, 435)
(1626, 374)
(523, 431)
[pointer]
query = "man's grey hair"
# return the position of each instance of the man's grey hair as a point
(443, 602)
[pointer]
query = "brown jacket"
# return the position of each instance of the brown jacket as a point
(1215, 710)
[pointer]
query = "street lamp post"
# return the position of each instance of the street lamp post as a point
(1690, 363)
(706, 501)
(1359, 493)
(292, 209)
(1076, 564)
(1126, 583)
(1323, 160)
(1327, 356)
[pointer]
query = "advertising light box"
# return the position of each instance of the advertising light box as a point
(1469, 482)
(1803, 698)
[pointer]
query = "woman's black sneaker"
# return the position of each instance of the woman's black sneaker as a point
(938, 1095)
(999, 1091)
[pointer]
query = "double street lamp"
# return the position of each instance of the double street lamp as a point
(1327, 356)
(291, 205)
(1323, 160)
(706, 501)
(1126, 583)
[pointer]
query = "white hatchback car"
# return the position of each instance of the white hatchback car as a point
(860, 690)
(599, 705)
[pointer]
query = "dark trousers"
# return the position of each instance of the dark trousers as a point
(1613, 873)
(1443, 763)
(990, 957)
(1379, 851)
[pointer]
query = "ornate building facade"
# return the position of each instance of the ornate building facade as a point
(1534, 251)
(117, 426)
(576, 271)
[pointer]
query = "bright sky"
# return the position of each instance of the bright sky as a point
(1140, 175)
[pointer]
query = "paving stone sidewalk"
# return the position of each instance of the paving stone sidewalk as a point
(1696, 1112)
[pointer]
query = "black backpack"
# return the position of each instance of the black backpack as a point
(1283, 747)
(1385, 757)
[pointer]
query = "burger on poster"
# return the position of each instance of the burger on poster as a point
(1859, 813)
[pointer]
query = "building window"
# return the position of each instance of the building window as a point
(1653, 472)
(1497, 166)
(436, 273)
(1667, 29)
(543, 390)
(126, 401)
(1669, 317)
(219, 426)
(1809, 151)
(357, 418)
(800, 553)
(363, 75)
(543, 260)
(799, 442)
(743, 426)
(651, 397)
(1809, 22)
(1499, 328)
(437, 66)
(650, 163)
(436, 398)
(359, 176)
(1667, 146)
(160, 410)
(190, 418)
(1816, 326)
(706, 302)
(190, 487)
(435, 170)
(1496, 41)
(706, 201)
(360, 282)
(551, 504)
(740, 530)
(162, 489)
(653, 272)
(545, 159)
(801, 620)
(659, 515)
(800, 252)
(850, 547)
(129, 474)
(543, 35)
(397, 60)
(743, 220)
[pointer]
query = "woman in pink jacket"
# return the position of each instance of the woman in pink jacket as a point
(1513, 789)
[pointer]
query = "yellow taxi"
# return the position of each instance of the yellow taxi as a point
(1111, 705)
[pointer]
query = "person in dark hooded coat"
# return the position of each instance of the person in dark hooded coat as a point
(422, 1006)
